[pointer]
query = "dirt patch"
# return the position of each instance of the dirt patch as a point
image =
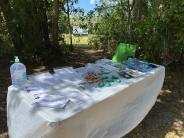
(165, 120)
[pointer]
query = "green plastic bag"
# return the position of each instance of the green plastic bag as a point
(123, 51)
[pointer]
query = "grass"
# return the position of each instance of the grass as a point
(80, 41)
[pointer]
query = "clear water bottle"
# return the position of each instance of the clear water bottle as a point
(18, 73)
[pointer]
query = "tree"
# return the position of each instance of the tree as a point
(155, 26)
(69, 10)
(69, 24)
(140, 9)
(55, 19)
(28, 28)
(12, 27)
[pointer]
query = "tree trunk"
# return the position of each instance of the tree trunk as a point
(52, 50)
(44, 25)
(55, 18)
(140, 9)
(129, 8)
(12, 27)
(34, 29)
(69, 25)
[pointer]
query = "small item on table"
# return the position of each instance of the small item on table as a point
(101, 84)
(105, 78)
(120, 67)
(108, 84)
(114, 77)
(118, 81)
(104, 71)
(134, 73)
(136, 64)
(101, 80)
(125, 75)
(92, 77)
(18, 73)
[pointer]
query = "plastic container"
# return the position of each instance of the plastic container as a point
(18, 73)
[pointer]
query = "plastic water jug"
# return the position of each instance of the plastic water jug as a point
(18, 73)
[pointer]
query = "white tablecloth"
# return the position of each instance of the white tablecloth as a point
(109, 112)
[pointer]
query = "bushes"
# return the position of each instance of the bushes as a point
(26, 24)
(159, 30)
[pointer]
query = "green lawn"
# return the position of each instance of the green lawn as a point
(77, 40)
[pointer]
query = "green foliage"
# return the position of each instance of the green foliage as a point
(156, 26)
(5, 43)
(27, 25)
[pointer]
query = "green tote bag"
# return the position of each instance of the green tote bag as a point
(123, 51)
